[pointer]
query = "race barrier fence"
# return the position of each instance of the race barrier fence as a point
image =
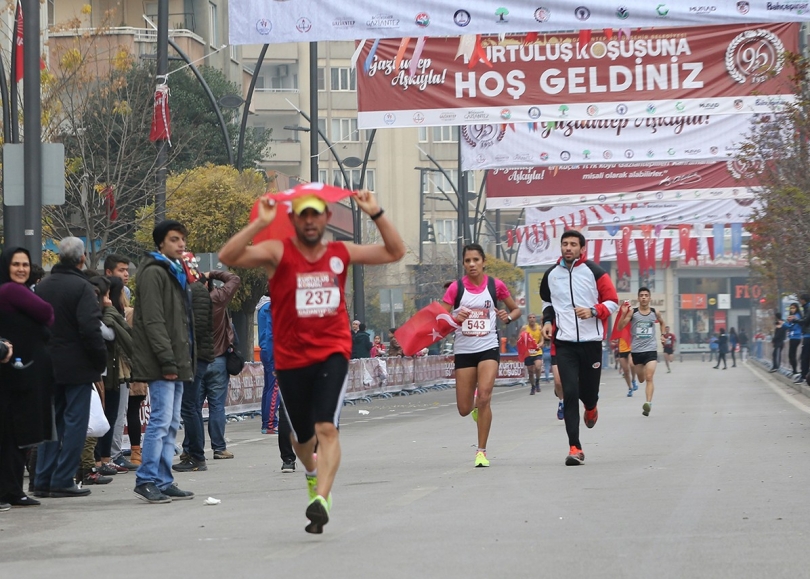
(368, 378)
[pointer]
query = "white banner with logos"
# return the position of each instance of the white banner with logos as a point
(274, 21)
(700, 137)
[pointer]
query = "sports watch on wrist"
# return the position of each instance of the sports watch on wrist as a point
(593, 312)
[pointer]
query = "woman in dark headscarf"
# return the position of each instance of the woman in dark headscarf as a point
(26, 388)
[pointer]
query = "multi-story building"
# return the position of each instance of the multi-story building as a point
(416, 195)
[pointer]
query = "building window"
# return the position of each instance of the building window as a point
(445, 134)
(213, 25)
(354, 176)
(51, 12)
(321, 79)
(446, 231)
(344, 130)
(321, 126)
(323, 176)
(259, 132)
(423, 135)
(234, 52)
(343, 79)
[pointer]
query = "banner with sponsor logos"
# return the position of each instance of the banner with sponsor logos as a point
(620, 183)
(700, 137)
(654, 72)
(273, 21)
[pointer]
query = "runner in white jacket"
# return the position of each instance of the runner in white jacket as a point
(578, 297)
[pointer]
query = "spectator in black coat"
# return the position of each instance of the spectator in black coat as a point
(26, 391)
(79, 356)
(722, 349)
(361, 343)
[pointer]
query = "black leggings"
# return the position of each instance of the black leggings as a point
(580, 369)
(134, 419)
(721, 357)
(285, 447)
(776, 362)
(111, 399)
(792, 358)
(733, 359)
(805, 357)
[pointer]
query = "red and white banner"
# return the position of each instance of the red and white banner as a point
(700, 137)
(619, 183)
(266, 21)
(668, 246)
(552, 221)
(659, 72)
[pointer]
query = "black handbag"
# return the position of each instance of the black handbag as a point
(234, 362)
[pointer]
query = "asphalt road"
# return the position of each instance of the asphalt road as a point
(714, 483)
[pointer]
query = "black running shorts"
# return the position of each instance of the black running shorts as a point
(624, 354)
(313, 394)
(643, 358)
(530, 360)
(472, 360)
(668, 350)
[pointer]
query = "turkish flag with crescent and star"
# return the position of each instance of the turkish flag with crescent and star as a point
(427, 326)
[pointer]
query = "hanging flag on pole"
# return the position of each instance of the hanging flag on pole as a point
(18, 42)
(161, 121)
(17, 49)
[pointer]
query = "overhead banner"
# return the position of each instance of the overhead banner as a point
(700, 137)
(620, 183)
(547, 252)
(552, 221)
(273, 21)
(661, 72)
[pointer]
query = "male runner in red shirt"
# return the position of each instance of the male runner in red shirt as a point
(307, 278)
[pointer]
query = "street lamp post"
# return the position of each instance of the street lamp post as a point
(358, 281)
(459, 207)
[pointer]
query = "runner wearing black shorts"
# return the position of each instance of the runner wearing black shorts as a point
(644, 347)
(307, 280)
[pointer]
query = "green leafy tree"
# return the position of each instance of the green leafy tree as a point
(98, 101)
(214, 203)
(774, 157)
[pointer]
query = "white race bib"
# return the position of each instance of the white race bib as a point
(477, 324)
(644, 329)
(316, 295)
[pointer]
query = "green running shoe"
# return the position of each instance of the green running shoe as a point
(312, 486)
(318, 515)
(481, 459)
(645, 409)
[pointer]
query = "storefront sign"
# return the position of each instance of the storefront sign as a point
(723, 301)
(693, 301)
(743, 292)
(719, 320)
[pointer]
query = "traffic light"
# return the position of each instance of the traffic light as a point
(428, 234)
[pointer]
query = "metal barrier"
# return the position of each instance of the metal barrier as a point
(369, 378)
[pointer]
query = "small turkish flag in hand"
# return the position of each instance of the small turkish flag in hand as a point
(625, 332)
(427, 326)
(525, 345)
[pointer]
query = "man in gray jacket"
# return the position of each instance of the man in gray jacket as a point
(163, 344)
